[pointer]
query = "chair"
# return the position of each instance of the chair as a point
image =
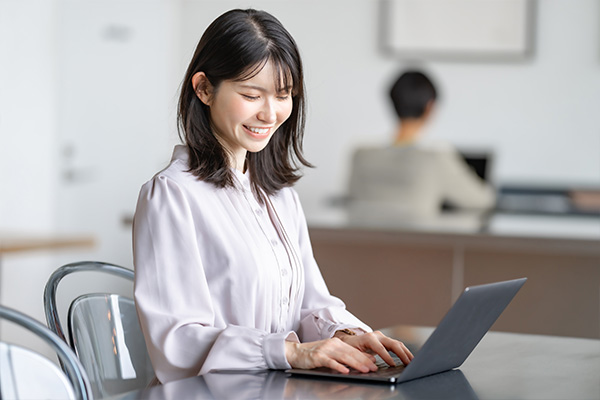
(104, 331)
(26, 374)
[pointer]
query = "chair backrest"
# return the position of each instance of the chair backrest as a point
(106, 335)
(26, 374)
(104, 331)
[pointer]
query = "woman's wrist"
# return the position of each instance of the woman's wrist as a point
(290, 351)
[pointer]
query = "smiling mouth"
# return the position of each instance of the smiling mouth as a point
(258, 131)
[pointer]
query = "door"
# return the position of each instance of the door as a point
(117, 97)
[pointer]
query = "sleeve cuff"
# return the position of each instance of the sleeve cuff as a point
(274, 349)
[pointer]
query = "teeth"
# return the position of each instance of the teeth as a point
(260, 131)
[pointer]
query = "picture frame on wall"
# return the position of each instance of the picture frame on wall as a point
(462, 30)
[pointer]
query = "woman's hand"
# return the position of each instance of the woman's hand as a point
(331, 353)
(377, 343)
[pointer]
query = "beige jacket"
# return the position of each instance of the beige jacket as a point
(411, 183)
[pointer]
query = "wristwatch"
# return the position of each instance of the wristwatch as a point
(347, 331)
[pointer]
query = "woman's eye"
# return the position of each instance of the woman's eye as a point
(247, 96)
(283, 97)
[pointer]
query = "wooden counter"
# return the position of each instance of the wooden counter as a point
(16, 243)
(390, 276)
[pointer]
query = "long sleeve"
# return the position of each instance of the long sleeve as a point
(460, 185)
(183, 327)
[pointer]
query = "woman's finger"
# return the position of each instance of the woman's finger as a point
(334, 354)
(336, 366)
(383, 352)
(398, 348)
(380, 344)
(408, 352)
(370, 343)
(354, 358)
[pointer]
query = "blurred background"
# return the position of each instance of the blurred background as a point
(88, 93)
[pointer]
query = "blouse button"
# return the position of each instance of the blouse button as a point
(274, 242)
(284, 272)
(285, 301)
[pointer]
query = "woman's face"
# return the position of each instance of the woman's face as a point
(246, 114)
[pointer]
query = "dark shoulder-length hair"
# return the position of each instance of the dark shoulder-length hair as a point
(236, 46)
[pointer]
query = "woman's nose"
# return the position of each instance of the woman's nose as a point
(267, 113)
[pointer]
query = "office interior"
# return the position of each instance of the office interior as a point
(88, 94)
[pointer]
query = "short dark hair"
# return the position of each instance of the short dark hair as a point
(236, 46)
(410, 94)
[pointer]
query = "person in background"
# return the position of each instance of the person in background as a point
(225, 276)
(409, 181)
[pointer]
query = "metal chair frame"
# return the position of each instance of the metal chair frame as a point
(71, 364)
(50, 290)
(54, 322)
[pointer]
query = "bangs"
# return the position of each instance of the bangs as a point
(284, 76)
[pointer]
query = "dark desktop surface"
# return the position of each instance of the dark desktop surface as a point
(502, 366)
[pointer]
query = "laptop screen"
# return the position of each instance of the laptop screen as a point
(479, 162)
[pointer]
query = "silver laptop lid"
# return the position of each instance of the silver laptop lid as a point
(461, 329)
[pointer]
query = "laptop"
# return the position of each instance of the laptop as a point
(463, 327)
(479, 162)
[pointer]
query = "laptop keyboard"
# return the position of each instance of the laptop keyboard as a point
(384, 369)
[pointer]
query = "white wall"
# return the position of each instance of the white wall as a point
(27, 115)
(116, 107)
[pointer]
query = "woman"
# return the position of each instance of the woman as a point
(225, 276)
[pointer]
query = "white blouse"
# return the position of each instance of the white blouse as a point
(222, 281)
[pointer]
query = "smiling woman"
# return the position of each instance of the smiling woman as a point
(225, 276)
(245, 114)
(254, 57)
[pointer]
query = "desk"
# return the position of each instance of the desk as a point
(502, 366)
(15, 243)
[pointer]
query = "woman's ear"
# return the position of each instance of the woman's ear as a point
(202, 87)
